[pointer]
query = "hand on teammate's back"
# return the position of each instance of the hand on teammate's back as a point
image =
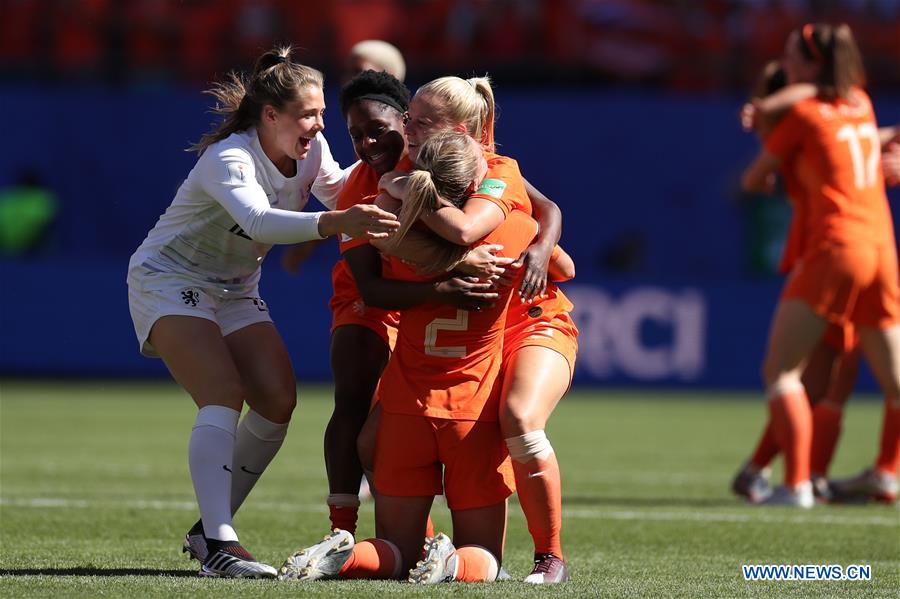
(362, 221)
(467, 293)
(536, 259)
(484, 263)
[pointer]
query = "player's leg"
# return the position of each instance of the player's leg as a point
(408, 475)
(358, 357)
(473, 555)
(365, 445)
(477, 482)
(401, 524)
(878, 316)
(199, 360)
(882, 351)
(535, 379)
(271, 392)
(269, 387)
(796, 330)
(829, 379)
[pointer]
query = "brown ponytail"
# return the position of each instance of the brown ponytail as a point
(835, 49)
(276, 81)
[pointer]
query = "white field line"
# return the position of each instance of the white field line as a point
(763, 515)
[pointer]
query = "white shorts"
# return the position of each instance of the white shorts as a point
(182, 298)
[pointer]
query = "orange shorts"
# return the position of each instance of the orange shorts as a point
(347, 310)
(855, 283)
(411, 450)
(559, 334)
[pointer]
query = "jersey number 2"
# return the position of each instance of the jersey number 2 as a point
(865, 170)
(460, 323)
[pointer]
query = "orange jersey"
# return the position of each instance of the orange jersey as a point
(843, 186)
(795, 243)
(360, 188)
(503, 185)
(446, 360)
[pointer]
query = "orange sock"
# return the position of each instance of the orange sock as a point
(766, 449)
(343, 510)
(539, 488)
(826, 418)
(373, 559)
(476, 564)
(889, 453)
(792, 424)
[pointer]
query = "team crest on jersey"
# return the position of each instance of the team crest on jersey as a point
(492, 187)
(190, 296)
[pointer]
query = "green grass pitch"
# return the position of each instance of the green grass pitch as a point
(95, 497)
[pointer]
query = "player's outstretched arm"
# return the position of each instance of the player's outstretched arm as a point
(465, 226)
(378, 292)
(362, 221)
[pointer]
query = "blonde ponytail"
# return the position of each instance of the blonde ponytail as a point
(469, 102)
(447, 165)
(485, 123)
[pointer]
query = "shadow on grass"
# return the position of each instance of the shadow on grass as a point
(96, 572)
(660, 502)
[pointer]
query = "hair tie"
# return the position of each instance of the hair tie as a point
(280, 60)
(810, 43)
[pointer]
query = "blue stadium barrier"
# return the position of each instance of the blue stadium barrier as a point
(70, 318)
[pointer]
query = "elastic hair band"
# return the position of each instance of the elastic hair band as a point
(810, 43)
(384, 99)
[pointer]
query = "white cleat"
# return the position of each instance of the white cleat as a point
(320, 561)
(801, 496)
(439, 563)
(235, 562)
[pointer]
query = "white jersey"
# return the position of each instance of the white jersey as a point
(229, 211)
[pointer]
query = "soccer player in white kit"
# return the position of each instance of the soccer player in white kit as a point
(192, 285)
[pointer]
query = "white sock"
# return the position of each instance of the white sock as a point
(257, 442)
(210, 453)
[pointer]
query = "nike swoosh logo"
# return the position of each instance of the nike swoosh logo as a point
(244, 469)
(535, 474)
(226, 467)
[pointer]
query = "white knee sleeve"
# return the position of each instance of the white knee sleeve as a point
(786, 385)
(529, 446)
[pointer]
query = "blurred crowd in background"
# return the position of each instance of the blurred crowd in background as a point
(693, 45)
